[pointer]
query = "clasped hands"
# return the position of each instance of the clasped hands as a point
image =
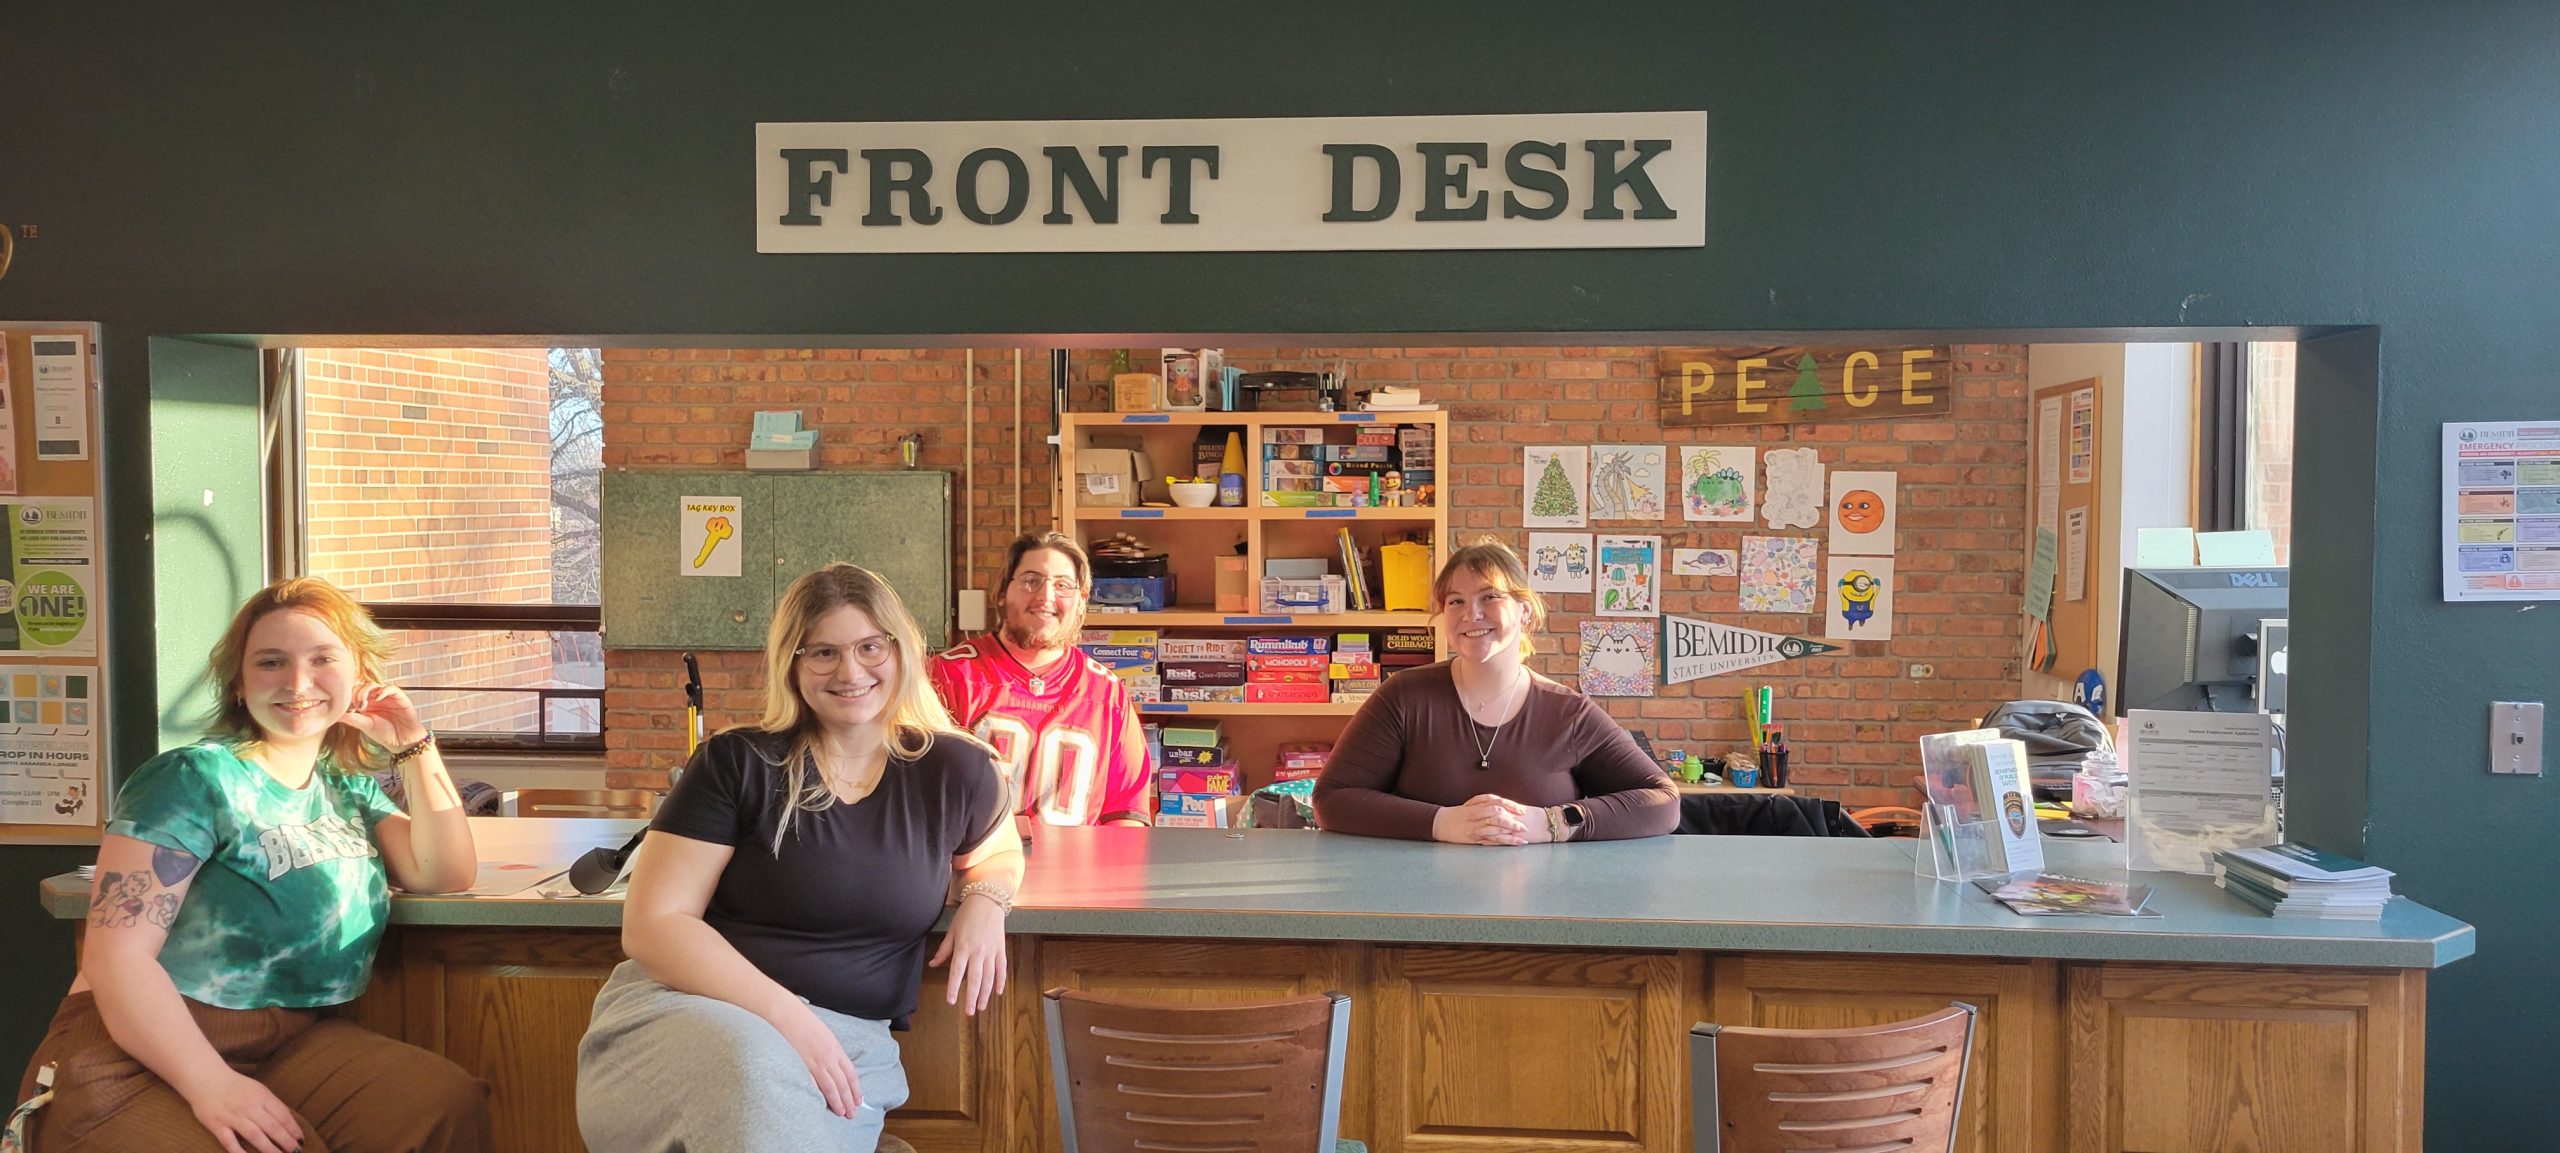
(1486, 819)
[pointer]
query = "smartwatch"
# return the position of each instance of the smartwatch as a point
(1572, 820)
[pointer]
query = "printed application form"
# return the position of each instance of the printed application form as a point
(2200, 782)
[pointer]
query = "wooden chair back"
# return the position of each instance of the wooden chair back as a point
(1136, 1075)
(1890, 1088)
(585, 803)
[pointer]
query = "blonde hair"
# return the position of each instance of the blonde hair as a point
(345, 749)
(1494, 563)
(916, 715)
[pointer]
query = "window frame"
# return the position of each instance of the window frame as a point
(286, 507)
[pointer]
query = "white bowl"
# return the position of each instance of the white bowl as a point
(1194, 493)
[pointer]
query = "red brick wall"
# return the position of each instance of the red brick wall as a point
(1852, 717)
(429, 478)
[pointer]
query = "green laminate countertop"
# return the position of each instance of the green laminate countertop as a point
(1740, 894)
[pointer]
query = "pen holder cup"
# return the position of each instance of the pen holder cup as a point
(1957, 851)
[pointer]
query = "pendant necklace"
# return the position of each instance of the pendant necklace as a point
(1039, 683)
(1484, 745)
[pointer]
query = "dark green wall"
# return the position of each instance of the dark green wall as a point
(485, 168)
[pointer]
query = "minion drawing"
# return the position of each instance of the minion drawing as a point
(1858, 591)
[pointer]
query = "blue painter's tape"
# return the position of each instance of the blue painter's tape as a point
(1331, 513)
(1141, 513)
(1146, 418)
(1351, 417)
(1259, 620)
(1163, 707)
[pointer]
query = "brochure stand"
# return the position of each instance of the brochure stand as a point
(1963, 841)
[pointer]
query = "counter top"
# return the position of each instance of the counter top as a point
(1757, 894)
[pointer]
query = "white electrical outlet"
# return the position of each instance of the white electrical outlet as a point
(2515, 737)
(973, 610)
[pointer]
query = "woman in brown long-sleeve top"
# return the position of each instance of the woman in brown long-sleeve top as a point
(1478, 749)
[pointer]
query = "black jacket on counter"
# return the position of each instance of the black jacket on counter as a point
(1764, 815)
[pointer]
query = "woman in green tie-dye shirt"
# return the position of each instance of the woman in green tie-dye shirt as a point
(240, 888)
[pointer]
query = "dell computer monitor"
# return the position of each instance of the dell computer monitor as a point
(2192, 636)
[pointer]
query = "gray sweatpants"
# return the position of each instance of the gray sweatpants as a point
(666, 1072)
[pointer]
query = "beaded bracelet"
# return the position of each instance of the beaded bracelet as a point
(991, 891)
(413, 750)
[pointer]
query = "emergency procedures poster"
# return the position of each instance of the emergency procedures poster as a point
(50, 571)
(2502, 511)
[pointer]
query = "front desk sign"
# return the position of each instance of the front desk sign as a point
(1599, 180)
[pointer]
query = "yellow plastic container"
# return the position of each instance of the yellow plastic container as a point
(1405, 568)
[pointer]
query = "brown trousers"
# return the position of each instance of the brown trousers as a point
(353, 1090)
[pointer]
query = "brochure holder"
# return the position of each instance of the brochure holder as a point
(1962, 841)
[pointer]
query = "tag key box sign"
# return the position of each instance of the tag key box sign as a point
(1708, 387)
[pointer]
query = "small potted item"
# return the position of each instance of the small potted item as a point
(1192, 492)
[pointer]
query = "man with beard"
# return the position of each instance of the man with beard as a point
(1062, 726)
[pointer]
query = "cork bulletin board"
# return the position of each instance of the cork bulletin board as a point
(2065, 447)
(53, 628)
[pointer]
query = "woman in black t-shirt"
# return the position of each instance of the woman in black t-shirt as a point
(780, 904)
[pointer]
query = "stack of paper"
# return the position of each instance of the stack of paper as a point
(781, 430)
(1395, 398)
(2297, 881)
(2053, 894)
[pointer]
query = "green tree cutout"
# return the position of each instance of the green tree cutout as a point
(1555, 492)
(1807, 393)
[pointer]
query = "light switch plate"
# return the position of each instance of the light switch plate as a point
(973, 610)
(2515, 737)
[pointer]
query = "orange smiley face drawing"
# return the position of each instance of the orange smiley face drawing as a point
(1860, 511)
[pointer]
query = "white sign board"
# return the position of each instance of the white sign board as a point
(1582, 180)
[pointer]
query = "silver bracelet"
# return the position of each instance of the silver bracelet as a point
(991, 891)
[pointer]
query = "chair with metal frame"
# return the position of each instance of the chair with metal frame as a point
(1891, 1088)
(1248, 1078)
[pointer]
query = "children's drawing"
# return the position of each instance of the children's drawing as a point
(1629, 581)
(1619, 658)
(1560, 562)
(1704, 562)
(1555, 484)
(1862, 513)
(1716, 482)
(1793, 498)
(1860, 592)
(1779, 575)
(1626, 482)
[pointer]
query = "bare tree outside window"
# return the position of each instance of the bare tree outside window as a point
(577, 460)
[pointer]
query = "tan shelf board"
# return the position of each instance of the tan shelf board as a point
(1194, 618)
(1215, 709)
(1246, 419)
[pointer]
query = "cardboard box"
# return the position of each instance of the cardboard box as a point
(1109, 477)
(1235, 585)
(1186, 757)
(1299, 694)
(1137, 392)
(1303, 596)
(1274, 644)
(1204, 694)
(1202, 672)
(1121, 656)
(1216, 779)
(1201, 648)
(1292, 434)
(1192, 734)
(1139, 637)
(1131, 594)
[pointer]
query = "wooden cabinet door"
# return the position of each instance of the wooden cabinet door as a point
(2199, 1059)
(1497, 1051)
(2013, 1089)
(509, 1006)
(957, 1097)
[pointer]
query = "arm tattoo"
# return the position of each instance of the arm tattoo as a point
(172, 865)
(163, 911)
(120, 899)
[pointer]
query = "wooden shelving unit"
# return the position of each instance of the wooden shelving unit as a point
(1191, 537)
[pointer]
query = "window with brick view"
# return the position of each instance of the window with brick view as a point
(462, 478)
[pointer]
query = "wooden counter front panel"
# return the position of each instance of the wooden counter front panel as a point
(2013, 1091)
(2270, 1061)
(1491, 1051)
(509, 1007)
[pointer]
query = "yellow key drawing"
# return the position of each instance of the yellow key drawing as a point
(714, 531)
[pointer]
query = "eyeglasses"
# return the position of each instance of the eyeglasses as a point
(1033, 584)
(870, 653)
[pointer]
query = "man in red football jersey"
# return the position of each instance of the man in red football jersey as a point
(1062, 725)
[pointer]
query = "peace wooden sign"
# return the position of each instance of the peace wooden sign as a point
(1718, 386)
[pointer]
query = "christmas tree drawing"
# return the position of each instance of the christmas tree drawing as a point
(1807, 393)
(1555, 493)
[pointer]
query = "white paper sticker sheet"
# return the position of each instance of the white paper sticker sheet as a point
(1793, 498)
(1862, 513)
(1717, 482)
(1859, 592)
(1555, 486)
(1560, 562)
(1626, 482)
(1628, 582)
